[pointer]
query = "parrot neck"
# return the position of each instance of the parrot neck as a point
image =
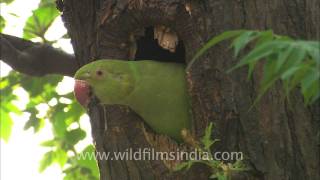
(137, 100)
(134, 70)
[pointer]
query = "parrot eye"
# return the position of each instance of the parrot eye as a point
(99, 73)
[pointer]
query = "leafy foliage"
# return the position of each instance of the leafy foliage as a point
(6, 124)
(294, 62)
(6, 1)
(83, 168)
(220, 170)
(62, 113)
(5, 120)
(40, 21)
(2, 23)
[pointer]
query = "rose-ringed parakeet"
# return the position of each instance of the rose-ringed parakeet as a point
(155, 90)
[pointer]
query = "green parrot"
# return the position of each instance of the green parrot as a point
(155, 90)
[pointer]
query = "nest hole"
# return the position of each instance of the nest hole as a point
(148, 48)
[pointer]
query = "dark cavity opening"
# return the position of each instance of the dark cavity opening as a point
(149, 49)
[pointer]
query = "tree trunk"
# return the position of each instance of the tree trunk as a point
(279, 139)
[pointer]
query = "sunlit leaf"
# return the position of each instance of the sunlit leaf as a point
(212, 42)
(49, 143)
(75, 135)
(47, 3)
(40, 21)
(36, 123)
(2, 23)
(79, 173)
(6, 1)
(59, 124)
(6, 124)
(36, 85)
(46, 161)
(60, 156)
(88, 162)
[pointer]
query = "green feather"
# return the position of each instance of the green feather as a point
(157, 91)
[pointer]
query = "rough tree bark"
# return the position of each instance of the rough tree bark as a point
(279, 140)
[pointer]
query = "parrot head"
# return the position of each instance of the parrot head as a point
(111, 81)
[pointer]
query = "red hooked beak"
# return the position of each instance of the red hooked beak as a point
(82, 92)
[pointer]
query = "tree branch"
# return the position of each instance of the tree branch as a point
(35, 59)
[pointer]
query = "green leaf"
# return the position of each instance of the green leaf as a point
(39, 22)
(79, 174)
(60, 156)
(313, 76)
(224, 36)
(258, 53)
(9, 107)
(66, 36)
(206, 139)
(6, 124)
(269, 78)
(298, 76)
(219, 176)
(250, 69)
(270, 72)
(46, 161)
(242, 40)
(2, 23)
(4, 83)
(49, 143)
(47, 3)
(283, 57)
(75, 135)
(238, 165)
(182, 166)
(316, 96)
(36, 123)
(265, 36)
(187, 165)
(6, 1)
(312, 93)
(75, 111)
(295, 58)
(313, 50)
(44, 86)
(89, 163)
(310, 85)
(286, 77)
(59, 124)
